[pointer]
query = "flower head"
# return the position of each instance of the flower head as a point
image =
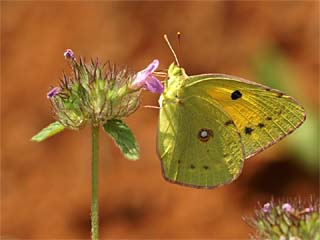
(96, 92)
(291, 219)
(69, 54)
(145, 79)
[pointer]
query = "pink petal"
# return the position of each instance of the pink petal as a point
(154, 85)
(53, 92)
(152, 66)
(69, 54)
(144, 74)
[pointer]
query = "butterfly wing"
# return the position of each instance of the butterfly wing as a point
(195, 145)
(262, 115)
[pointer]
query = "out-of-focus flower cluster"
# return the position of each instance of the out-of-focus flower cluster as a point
(287, 220)
(97, 92)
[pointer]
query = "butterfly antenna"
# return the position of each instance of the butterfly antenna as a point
(179, 44)
(179, 37)
(174, 54)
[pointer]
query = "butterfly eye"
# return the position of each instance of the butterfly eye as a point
(205, 134)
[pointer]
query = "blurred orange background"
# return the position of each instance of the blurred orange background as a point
(46, 188)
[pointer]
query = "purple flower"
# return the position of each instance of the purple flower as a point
(69, 54)
(286, 207)
(146, 80)
(308, 210)
(53, 92)
(266, 207)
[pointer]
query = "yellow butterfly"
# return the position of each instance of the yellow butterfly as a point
(210, 123)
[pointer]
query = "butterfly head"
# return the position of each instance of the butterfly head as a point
(174, 82)
(176, 71)
(176, 75)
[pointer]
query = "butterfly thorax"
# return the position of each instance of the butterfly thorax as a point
(174, 84)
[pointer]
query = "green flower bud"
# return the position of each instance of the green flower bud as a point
(95, 92)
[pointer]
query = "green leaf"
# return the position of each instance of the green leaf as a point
(123, 138)
(48, 131)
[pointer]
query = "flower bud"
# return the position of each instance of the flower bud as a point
(95, 92)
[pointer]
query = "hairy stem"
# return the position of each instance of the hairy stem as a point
(94, 179)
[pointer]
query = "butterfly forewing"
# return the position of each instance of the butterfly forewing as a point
(262, 115)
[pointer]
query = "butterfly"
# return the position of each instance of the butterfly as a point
(210, 123)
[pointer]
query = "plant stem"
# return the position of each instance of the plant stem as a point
(94, 179)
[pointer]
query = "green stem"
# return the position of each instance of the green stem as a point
(94, 179)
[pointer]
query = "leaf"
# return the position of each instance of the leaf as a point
(48, 131)
(123, 138)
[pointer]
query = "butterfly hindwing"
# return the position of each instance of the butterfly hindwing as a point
(198, 143)
(262, 115)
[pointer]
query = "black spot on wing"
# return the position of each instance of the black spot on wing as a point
(269, 118)
(261, 125)
(279, 95)
(192, 166)
(206, 167)
(248, 130)
(236, 94)
(229, 122)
